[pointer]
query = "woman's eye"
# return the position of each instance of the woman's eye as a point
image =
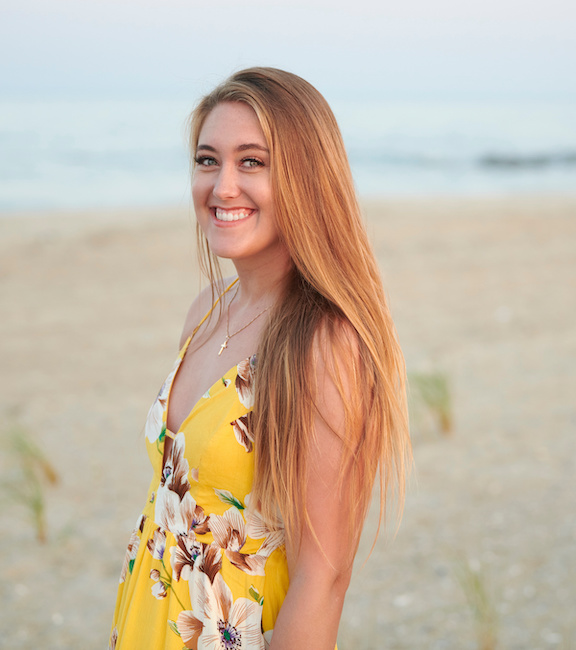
(205, 161)
(251, 163)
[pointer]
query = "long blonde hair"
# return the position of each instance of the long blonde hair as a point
(334, 294)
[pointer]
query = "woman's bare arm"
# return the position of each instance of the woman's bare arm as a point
(320, 569)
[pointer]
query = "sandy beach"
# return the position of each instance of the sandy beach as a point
(483, 292)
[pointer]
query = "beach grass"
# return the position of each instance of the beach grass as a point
(29, 474)
(472, 579)
(429, 393)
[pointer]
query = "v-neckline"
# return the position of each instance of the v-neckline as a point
(181, 360)
(201, 398)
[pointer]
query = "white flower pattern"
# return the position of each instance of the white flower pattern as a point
(217, 621)
(176, 509)
(230, 533)
(155, 420)
(186, 555)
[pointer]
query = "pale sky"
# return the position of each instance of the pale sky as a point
(443, 49)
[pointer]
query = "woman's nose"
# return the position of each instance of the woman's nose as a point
(226, 184)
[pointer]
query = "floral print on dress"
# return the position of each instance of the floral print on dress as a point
(159, 589)
(188, 554)
(113, 639)
(157, 544)
(245, 373)
(155, 427)
(217, 621)
(132, 550)
(259, 528)
(201, 549)
(230, 533)
(176, 509)
(243, 431)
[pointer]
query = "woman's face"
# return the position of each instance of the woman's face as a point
(231, 185)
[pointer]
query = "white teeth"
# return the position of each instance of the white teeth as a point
(232, 215)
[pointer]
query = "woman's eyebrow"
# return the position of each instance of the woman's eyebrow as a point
(245, 147)
(242, 147)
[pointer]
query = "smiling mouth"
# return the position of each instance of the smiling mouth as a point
(231, 215)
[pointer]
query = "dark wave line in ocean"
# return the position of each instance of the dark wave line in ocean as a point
(534, 160)
(508, 161)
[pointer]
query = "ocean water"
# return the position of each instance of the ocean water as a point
(90, 154)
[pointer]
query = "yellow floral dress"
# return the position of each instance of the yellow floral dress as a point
(202, 570)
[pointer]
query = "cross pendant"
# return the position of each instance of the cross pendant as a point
(223, 346)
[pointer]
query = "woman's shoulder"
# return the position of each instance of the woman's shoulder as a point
(202, 305)
(335, 337)
(335, 361)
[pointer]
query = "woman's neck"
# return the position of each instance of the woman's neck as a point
(263, 282)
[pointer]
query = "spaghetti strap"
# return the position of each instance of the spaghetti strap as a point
(210, 311)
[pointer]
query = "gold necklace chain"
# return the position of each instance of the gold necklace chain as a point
(228, 335)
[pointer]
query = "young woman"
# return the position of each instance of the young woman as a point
(287, 396)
